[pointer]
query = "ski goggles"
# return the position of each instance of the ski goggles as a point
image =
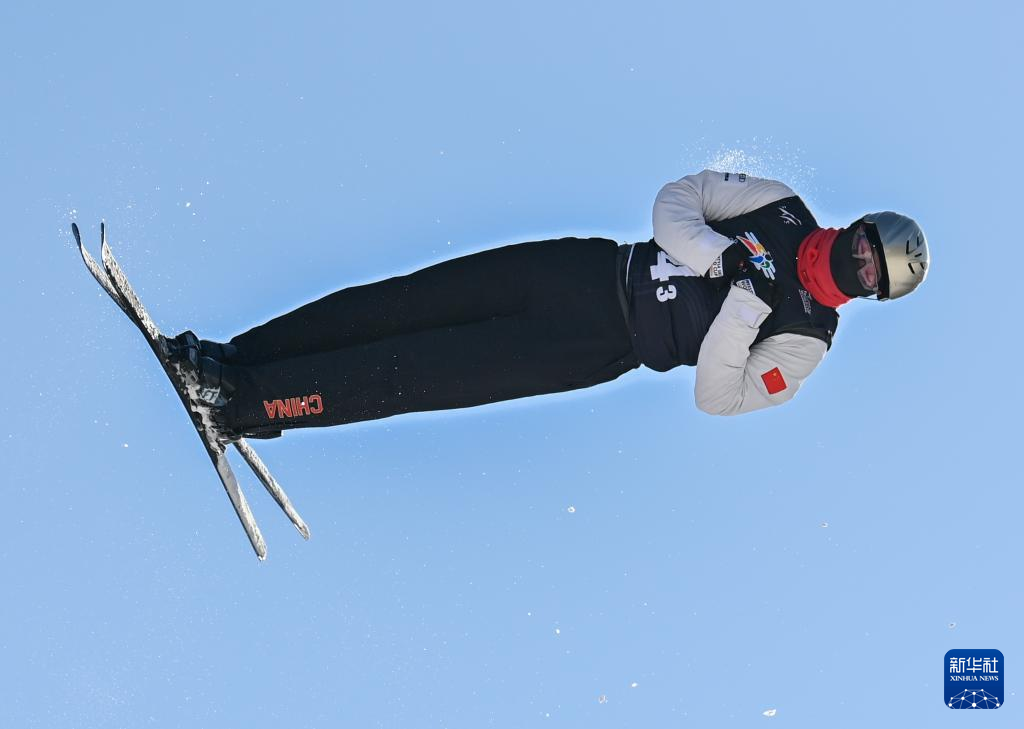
(870, 266)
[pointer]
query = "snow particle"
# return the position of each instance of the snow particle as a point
(558, 631)
(768, 712)
(951, 626)
(824, 525)
(602, 699)
(634, 684)
(188, 205)
(571, 509)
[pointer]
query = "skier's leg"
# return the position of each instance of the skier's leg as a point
(571, 335)
(438, 369)
(467, 289)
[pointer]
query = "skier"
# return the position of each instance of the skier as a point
(738, 280)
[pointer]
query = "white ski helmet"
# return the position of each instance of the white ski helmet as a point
(904, 251)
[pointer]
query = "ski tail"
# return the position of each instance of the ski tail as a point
(271, 485)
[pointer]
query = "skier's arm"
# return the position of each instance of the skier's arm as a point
(734, 377)
(683, 209)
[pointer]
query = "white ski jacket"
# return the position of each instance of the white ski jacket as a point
(733, 377)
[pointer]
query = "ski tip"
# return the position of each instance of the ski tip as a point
(78, 235)
(303, 530)
(105, 253)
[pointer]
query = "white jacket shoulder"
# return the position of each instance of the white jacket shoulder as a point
(736, 376)
(683, 208)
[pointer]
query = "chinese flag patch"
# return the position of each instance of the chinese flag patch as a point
(774, 381)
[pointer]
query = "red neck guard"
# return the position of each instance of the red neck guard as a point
(813, 269)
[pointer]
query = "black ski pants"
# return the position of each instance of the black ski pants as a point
(509, 322)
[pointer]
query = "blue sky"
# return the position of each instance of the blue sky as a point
(510, 565)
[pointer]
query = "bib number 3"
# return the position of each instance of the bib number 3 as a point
(663, 271)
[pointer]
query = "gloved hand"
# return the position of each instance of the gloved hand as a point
(756, 280)
(744, 249)
(728, 262)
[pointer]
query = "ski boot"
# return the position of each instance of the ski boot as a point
(211, 383)
(187, 346)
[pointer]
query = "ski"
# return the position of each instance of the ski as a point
(247, 452)
(112, 279)
(271, 485)
(94, 268)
